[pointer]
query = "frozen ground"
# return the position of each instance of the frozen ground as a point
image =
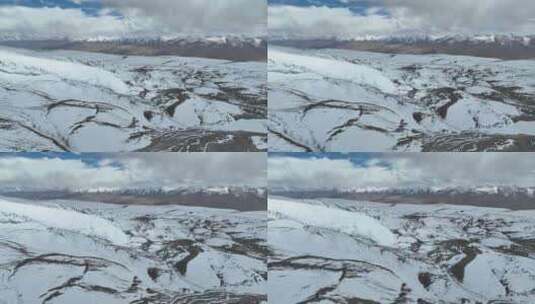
(437, 254)
(87, 102)
(342, 100)
(73, 252)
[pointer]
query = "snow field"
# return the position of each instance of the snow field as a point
(336, 69)
(73, 71)
(339, 220)
(67, 220)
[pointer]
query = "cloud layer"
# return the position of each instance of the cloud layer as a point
(137, 18)
(402, 171)
(221, 16)
(134, 171)
(325, 22)
(50, 23)
(134, 18)
(404, 17)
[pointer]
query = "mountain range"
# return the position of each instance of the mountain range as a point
(511, 197)
(235, 48)
(243, 198)
(507, 47)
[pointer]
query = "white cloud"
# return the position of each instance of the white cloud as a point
(325, 22)
(323, 173)
(437, 17)
(502, 16)
(198, 168)
(135, 170)
(59, 174)
(410, 170)
(139, 18)
(220, 16)
(45, 23)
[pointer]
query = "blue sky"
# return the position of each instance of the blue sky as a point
(91, 7)
(92, 159)
(359, 159)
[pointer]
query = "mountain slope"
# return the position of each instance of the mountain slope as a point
(69, 251)
(443, 253)
(436, 103)
(76, 101)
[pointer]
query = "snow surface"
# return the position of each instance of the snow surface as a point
(63, 101)
(347, 101)
(335, 69)
(66, 219)
(13, 62)
(88, 252)
(338, 220)
(443, 254)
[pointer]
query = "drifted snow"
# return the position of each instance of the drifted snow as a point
(339, 220)
(336, 69)
(66, 219)
(16, 63)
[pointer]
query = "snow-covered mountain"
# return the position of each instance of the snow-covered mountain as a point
(239, 48)
(446, 190)
(200, 40)
(450, 190)
(500, 39)
(143, 191)
(215, 190)
(242, 198)
(502, 46)
(517, 198)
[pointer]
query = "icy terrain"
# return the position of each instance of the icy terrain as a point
(343, 100)
(74, 252)
(440, 254)
(78, 101)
